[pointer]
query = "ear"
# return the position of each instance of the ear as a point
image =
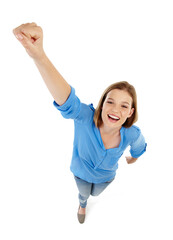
(131, 112)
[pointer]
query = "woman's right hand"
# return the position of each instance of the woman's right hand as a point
(31, 37)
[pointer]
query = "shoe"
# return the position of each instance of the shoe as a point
(81, 217)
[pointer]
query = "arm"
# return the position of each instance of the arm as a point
(137, 146)
(31, 37)
(131, 160)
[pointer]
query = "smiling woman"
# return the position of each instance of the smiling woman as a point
(101, 135)
(126, 97)
(116, 110)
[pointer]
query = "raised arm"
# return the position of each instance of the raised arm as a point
(31, 37)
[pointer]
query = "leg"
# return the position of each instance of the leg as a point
(84, 191)
(99, 188)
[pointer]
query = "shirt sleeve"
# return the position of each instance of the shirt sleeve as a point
(138, 146)
(71, 108)
(74, 109)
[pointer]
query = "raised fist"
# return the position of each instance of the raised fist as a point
(31, 37)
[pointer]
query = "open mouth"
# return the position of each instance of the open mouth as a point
(113, 118)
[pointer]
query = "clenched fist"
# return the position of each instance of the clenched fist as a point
(31, 37)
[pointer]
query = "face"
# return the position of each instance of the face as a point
(117, 107)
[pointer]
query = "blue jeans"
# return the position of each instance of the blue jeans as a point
(86, 189)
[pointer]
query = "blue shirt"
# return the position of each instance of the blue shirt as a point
(90, 160)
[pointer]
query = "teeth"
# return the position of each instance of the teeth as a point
(114, 117)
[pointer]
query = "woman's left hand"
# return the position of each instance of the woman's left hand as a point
(130, 160)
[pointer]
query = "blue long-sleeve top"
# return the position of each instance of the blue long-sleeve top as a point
(90, 160)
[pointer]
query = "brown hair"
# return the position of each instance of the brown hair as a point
(121, 86)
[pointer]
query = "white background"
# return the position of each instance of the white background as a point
(93, 44)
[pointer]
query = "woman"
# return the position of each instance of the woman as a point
(101, 135)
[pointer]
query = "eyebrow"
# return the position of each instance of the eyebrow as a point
(122, 102)
(126, 103)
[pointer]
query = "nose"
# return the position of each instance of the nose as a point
(116, 109)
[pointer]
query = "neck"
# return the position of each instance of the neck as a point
(110, 131)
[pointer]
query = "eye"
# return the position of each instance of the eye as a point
(109, 102)
(124, 106)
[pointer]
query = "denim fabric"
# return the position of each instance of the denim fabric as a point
(86, 189)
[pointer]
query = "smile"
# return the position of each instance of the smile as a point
(113, 118)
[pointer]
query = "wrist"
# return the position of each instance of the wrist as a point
(40, 59)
